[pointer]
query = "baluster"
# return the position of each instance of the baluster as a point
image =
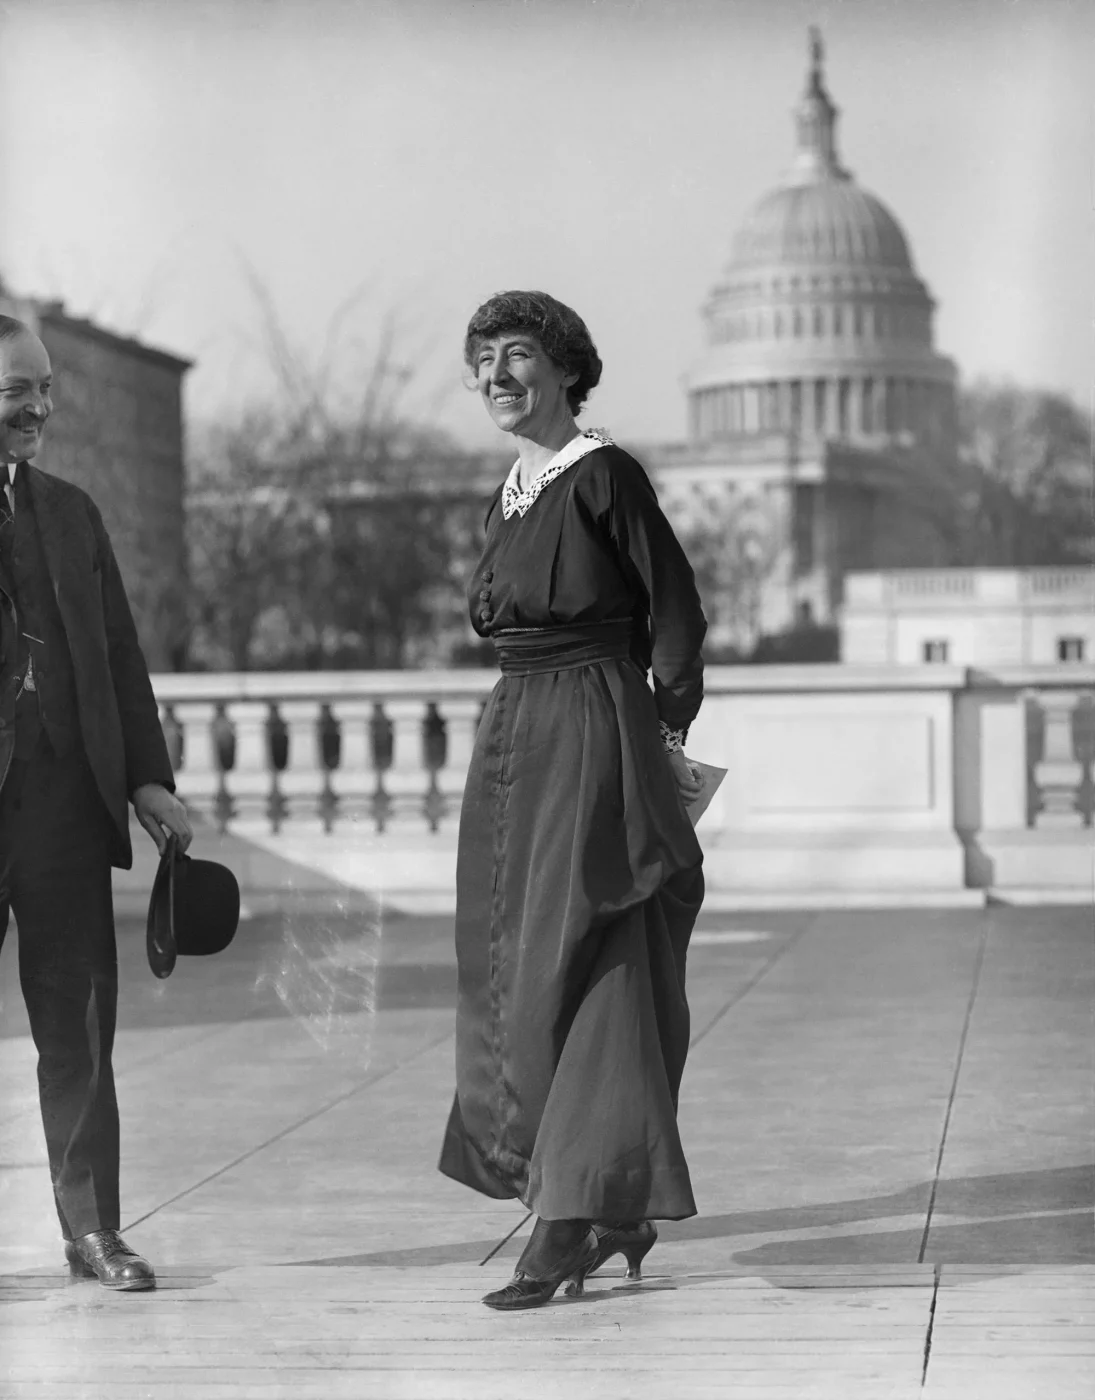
(302, 780)
(199, 777)
(381, 743)
(224, 746)
(277, 751)
(172, 736)
(351, 782)
(435, 748)
(1059, 774)
(407, 782)
(462, 719)
(330, 747)
(249, 784)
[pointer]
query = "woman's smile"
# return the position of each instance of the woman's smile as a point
(523, 389)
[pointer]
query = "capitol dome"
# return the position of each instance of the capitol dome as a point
(827, 222)
(819, 325)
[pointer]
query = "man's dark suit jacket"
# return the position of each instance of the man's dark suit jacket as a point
(119, 717)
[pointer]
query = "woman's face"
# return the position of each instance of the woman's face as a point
(521, 385)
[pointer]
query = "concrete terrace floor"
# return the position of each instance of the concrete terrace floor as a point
(889, 1118)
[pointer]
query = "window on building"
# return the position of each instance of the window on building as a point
(1070, 648)
(936, 651)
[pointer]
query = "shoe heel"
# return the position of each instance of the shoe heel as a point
(635, 1254)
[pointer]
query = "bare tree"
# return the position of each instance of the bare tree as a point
(733, 561)
(1024, 478)
(321, 522)
(251, 538)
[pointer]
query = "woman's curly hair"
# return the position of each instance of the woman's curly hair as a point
(561, 332)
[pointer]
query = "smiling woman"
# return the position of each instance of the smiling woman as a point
(579, 876)
(525, 347)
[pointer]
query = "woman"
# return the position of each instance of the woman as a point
(578, 874)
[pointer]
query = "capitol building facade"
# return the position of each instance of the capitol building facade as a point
(820, 405)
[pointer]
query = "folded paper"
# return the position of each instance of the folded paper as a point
(712, 779)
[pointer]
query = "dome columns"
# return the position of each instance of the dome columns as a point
(845, 407)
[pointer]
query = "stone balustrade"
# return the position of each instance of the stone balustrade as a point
(389, 747)
(905, 781)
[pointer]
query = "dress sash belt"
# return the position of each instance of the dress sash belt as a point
(531, 651)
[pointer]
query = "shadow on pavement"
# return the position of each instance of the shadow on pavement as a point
(1021, 1218)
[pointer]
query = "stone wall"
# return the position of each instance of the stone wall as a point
(878, 785)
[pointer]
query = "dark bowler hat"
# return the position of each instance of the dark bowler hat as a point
(194, 909)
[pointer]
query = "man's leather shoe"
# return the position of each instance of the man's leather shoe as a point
(105, 1255)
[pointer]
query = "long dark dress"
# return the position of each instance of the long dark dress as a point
(579, 876)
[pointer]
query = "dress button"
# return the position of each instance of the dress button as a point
(488, 574)
(484, 595)
(486, 616)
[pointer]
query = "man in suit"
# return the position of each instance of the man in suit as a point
(80, 738)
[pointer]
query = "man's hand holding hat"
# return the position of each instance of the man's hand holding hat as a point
(162, 815)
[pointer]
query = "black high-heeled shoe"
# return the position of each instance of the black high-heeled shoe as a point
(634, 1240)
(537, 1282)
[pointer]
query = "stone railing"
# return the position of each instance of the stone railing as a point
(913, 589)
(1024, 754)
(928, 778)
(1053, 583)
(386, 747)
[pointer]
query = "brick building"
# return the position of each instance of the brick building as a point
(117, 431)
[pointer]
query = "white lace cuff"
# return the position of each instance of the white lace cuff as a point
(672, 739)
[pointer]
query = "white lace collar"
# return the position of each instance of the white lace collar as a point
(514, 499)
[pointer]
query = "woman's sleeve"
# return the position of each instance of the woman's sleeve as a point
(648, 547)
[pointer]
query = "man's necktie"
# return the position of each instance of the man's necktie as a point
(7, 540)
(7, 519)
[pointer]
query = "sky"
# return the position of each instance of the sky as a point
(403, 159)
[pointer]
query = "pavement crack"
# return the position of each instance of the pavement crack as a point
(931, 1327)
(748, 986)
(975, 984)
(506, 1239)
(285, 1132)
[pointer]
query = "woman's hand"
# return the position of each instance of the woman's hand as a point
(688, 779)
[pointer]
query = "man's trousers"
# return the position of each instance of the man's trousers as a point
(55, 876)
